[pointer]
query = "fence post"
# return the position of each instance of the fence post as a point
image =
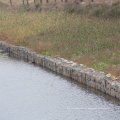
(61, 0)
(40, 1)
(66, 1)
(55, 0)
(47, 1)
(34, 1)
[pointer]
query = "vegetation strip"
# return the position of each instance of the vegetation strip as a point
(88, 35)
(80, 73)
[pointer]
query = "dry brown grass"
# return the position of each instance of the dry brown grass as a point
(89, 40)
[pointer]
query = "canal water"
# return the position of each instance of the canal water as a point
(29, 92)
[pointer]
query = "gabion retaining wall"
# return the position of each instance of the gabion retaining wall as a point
(80, 73)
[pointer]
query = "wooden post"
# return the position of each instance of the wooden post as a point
(11, 2)
(55, 0)
(61, 0)
(40, 1)
(47, 1)
(66, 1)
(34, 1)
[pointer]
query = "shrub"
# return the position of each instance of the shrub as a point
(99, 12)
(37, 5)
(114, 10)
(70, 9)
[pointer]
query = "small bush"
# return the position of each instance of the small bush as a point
(70, 9)
(100, 11)
(47, 53)
(37, 5)
(23, 8)
(75, 9)
(114, 11)
(89, 5)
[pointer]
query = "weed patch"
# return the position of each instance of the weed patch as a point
(76, 34)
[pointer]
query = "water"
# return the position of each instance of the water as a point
(28, 92)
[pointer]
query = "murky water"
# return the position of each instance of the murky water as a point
(28, 92)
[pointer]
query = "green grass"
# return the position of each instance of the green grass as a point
(85, 39)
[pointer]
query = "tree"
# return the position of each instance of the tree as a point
(23, 2)
(27, 2)
(41, 1)
(11, 2)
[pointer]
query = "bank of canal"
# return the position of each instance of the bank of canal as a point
(28, 92)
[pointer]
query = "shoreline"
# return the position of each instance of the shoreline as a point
(80, 73)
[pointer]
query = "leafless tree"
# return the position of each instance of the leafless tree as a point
(27, 2)
(11, 2)
(23, 2)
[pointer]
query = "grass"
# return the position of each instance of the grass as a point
(91, 40)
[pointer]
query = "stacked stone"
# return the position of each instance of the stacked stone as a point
(80, 73)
